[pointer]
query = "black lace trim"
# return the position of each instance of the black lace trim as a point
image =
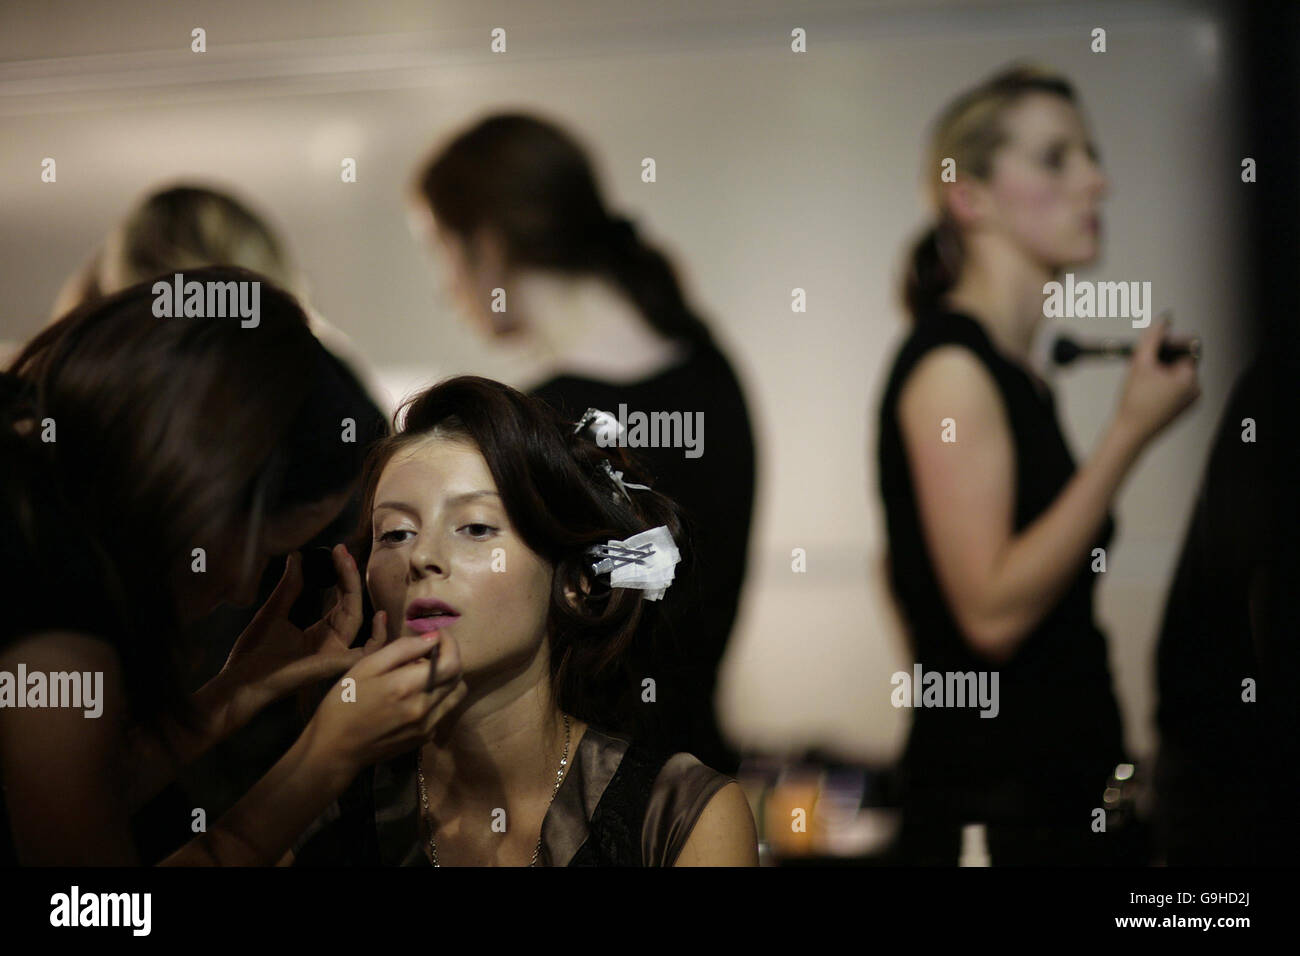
(614, 837)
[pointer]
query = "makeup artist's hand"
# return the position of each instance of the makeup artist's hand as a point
(394, 702)
(273, 657)
(1155, 393)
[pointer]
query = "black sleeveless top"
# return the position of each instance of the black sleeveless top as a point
(1057, 733)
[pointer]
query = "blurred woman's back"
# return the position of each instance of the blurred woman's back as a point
(513, 204)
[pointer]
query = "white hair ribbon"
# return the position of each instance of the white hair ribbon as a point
(619, 483)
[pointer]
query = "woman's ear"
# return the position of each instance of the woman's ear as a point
(967, 202)
(572, 597)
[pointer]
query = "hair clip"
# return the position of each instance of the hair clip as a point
(619, 483)
(616, 554)
(645, 562)
(606, 429)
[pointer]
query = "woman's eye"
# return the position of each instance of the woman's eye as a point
(390, 537)
(1054, 158)
(478, 530)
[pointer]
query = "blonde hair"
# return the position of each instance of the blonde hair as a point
(969, 131)
(188, 227)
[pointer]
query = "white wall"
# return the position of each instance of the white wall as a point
(775, 171)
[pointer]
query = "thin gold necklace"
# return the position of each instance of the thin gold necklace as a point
(424, 796)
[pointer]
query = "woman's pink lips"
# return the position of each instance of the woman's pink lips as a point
(423, 625)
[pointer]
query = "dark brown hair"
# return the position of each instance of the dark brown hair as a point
(532, 183)
(561, 501)
(969, 131)
(168, 432)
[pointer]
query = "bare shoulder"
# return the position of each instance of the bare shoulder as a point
(62, 678)
(948, 379)
(954, 421)
(60, 650)
(724, 834)
(61, 751)
(54, 665)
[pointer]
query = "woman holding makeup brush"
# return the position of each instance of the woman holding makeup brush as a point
(995, 535)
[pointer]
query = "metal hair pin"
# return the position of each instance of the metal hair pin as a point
(616, 555)
(645, 562)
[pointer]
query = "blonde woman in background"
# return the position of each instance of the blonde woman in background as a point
(992, 536)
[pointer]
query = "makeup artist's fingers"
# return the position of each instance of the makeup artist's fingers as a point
(449, 665)
(286, 591)
(401, 651)
(417, 678)
(378, 633)
(415, 717)
(431, 712)
(344, 618)
(315, 667)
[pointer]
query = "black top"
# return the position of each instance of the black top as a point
(1057, 734)
(47, 553)
(717, 492)
(1224, 756)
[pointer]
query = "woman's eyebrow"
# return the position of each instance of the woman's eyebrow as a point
(453, 500)
(471, 496)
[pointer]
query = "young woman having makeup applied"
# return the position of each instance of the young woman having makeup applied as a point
(531, 552)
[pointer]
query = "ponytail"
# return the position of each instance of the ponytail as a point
(530, 181)
(647, 277)
(933, 270)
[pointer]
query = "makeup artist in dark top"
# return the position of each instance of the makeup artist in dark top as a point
(176, 435)
(512, 203)
(992, 535)
(179, 228)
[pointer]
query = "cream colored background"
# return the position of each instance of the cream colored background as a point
(775, 171)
